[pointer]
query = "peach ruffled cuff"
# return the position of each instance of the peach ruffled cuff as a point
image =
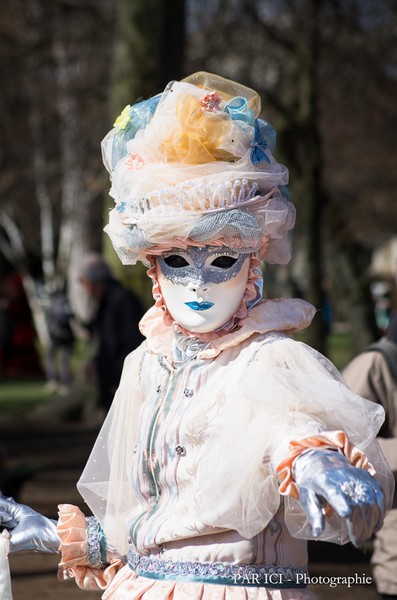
(329, 439)
(74, 562)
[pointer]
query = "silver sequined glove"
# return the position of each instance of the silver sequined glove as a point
(326, 476)
(29, 529)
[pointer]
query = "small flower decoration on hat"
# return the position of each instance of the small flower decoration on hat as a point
(134, 162)
(259, 145)
(124, 118)
(211, 102)
(121, 206)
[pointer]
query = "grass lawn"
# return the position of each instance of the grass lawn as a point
(20, 395)
(339, 349)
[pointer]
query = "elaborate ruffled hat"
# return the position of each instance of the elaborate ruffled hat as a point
(194, 165)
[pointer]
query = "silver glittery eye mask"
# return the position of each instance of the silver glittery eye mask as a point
(214, 264)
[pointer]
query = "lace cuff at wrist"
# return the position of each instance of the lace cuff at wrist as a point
(96, 543)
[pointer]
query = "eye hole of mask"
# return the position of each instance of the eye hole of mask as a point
(176, 261)
(224, 262)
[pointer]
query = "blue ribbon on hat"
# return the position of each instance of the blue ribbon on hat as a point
(264, 139)
(238, 109)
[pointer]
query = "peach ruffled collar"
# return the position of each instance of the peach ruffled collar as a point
(283, 315)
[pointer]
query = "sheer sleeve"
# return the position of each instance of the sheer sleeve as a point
(106, 483)
(289, 393)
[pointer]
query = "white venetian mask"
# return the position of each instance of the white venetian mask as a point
(202, 287)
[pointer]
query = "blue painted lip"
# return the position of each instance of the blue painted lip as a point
(199, 305)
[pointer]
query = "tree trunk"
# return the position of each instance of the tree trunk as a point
(310, 158)
(44, 202)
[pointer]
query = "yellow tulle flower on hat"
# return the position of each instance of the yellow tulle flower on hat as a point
(200, 134)
(124, 118)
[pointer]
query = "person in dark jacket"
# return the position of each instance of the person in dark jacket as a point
(114, 328)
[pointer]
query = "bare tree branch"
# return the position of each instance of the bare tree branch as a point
(14, 235)
(7, 251)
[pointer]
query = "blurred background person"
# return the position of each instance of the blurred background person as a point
(373, 375)
(113, 329)
(60, 348)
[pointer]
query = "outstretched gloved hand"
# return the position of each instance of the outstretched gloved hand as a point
(327, 477)
(29, 529)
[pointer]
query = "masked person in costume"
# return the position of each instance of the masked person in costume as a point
(228, 445)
